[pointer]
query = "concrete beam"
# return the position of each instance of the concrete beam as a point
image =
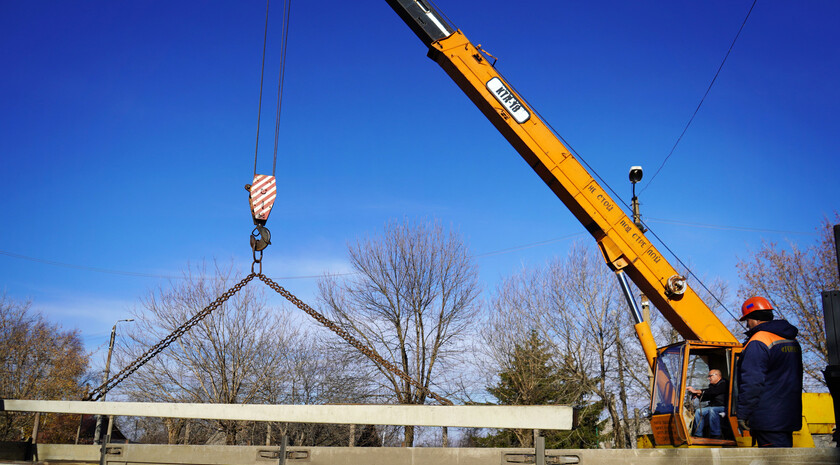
(469, 416)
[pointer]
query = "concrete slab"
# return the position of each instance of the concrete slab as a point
(469, 416)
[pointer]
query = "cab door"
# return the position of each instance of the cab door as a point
(701, 358)
(666, 421)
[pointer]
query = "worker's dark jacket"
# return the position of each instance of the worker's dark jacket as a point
(716, 394)
(770, 378)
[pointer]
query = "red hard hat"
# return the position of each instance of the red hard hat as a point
(754, 304)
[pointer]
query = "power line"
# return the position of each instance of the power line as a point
(701, 100)
(83, 267)
(526, 246)
(479, 255)
(162, 276)
(726, 228)
(122, 272)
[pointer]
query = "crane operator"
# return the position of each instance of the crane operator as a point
(717, 395)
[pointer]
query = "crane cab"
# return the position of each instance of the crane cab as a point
(679, 366)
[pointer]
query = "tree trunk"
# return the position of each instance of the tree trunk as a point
(408, 441)
(636, 429)
(229, 428)
(618, 430)
(622, 391)
(525, 437)
(173, 429)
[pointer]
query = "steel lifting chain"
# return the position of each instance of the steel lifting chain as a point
(172, 337)
(369, 352)
(97, 393)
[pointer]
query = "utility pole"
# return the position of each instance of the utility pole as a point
(831, 312)
(97, 433)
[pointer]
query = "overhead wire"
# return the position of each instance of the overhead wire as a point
(490, 253)
(685, 129)
(703, 99)
(163, 276)
(726, 228)
(122, 272)
(81, 267)
(526, 246)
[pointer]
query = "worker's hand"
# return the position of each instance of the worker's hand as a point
(743, 425)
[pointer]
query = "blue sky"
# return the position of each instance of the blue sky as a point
(127, 130)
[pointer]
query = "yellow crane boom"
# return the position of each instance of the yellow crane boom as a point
(625, 248)
(623, 245)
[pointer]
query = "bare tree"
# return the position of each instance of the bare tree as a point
(591, 293)
(38, 360)
(575, 305)
(315, 372)
(411, 299)
(229, 357)
(792, 279)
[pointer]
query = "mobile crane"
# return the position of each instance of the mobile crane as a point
(627, 251)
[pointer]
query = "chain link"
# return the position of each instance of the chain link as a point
(257, 261)
(97, 393)
(369, 352)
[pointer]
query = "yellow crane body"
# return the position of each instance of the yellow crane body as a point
(627, 251)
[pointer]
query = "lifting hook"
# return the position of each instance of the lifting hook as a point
(260, 238)
(263, 191)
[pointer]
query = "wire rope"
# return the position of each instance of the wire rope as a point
(620, 199)
(262, 74)
(281, 78)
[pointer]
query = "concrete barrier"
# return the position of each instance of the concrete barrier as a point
(142, 454)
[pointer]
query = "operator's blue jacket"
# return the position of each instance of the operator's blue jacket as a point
(770, 378)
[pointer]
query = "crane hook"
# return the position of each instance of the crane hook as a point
(263, 191)
(260, 238)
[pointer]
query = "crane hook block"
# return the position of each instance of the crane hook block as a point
(263, 192)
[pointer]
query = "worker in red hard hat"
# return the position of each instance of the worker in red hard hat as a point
(769, 377)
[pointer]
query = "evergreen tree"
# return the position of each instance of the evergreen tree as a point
(532, 377)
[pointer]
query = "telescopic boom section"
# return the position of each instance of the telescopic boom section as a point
(424, 20)
(623, 245)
